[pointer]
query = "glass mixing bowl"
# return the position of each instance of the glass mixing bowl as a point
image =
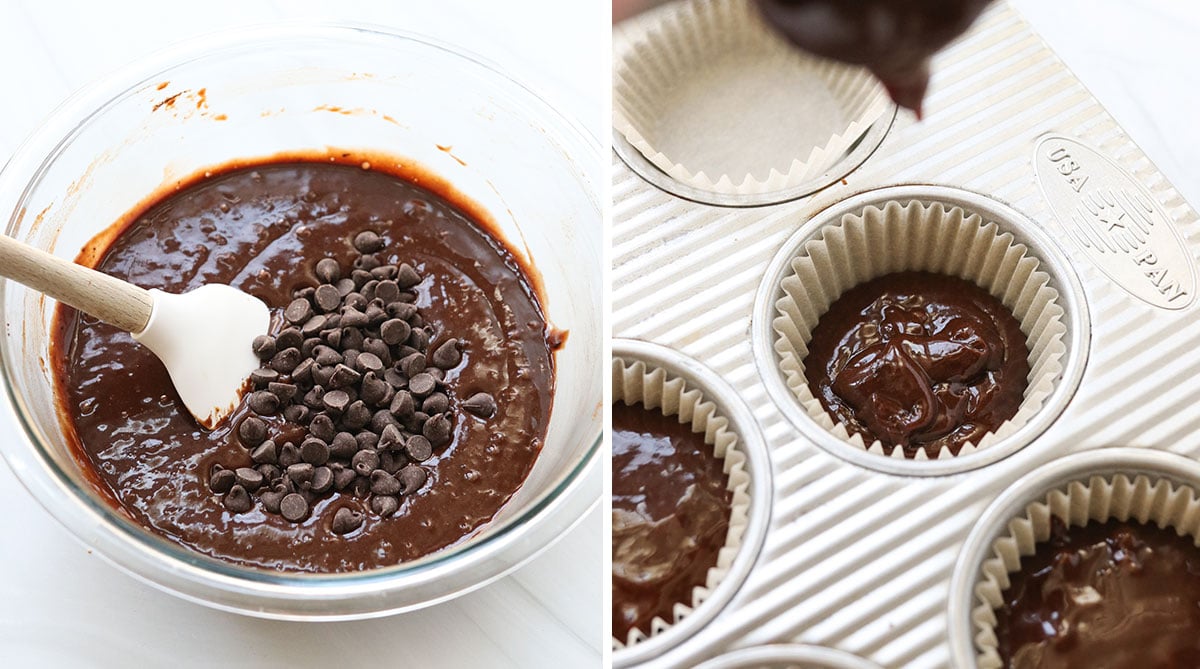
(266, 91)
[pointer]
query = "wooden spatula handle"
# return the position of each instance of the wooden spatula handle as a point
(111, 300)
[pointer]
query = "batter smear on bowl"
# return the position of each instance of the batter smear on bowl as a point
(918, 361)
(405, 387)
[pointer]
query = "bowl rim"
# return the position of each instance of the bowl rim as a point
(65, 499)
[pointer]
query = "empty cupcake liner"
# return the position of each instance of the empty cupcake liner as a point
(1142, 497)
(714, 98)
(897, 236)
(634, 381)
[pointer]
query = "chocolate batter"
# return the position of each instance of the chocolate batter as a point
(918, 360)
(895, 40)
(262, 228)
(1106, 595)
(670, 515)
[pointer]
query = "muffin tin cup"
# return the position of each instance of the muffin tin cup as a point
(682, 77)
(661, 378)
(788, 655)
(1112, 483)
(922, 228)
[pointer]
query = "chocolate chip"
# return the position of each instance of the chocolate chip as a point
(301, 472)
(384, 272)
(368, 362)
(253, 431)
(327, 298)
(270, 500)
(403, 404)
(357, 415)
(289, 338)
(297, 414)
(221, 481)
(289, 455)
(480, 404)
(394, 331)
(419, 448)
(366, 440)
(438, 429)
(303, 371)
(298, 311)
(401, 310)
(392, 461)
(321, 376)
(314, 451)
(334, 337)
(326, 356)
(379, 349)
(306, 350)
(283, 391)
(264, 346)
(407, 277)
(349, 357)
(361, 277)
(322, 480)
(390, 438)
(322, 428)
(314, 325)
(263, 402)
(384, 506)
(419, 338)
(269, 472)
(293, 507)
(315, 398)
(435, 403)
(360, 486)
(328, 270)
(412, 478)
(346, 520)
(238, 500)
(365, 462)
(367, 262)
(383, 483)
(421, 384)
(381, 419)
(448, 355)
(352, 339)
(353, 318)
(248, 478)
(343, 478)
(374, 391)
(343, 446)
(304, 292)
(388, 291)
(336, 401)
(286, 360)
(263, 376)
(266, 453)
(368, 242)
(375, 314)
(344, 286)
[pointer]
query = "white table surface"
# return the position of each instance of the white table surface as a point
(61, 606)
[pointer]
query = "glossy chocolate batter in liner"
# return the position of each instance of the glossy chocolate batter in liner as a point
(918, 361)
(1108, 594)
(262, 228)
(670, 515)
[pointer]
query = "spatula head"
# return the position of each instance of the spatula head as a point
(204, 338)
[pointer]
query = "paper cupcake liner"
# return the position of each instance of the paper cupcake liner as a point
(636, 382)
(713, 97)
(919, 237)
(1099, 498)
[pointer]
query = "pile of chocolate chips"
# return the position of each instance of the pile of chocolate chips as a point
(362, 401)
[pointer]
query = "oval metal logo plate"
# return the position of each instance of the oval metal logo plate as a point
(1116, 221)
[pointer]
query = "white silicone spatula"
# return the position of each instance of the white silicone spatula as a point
(203, 337)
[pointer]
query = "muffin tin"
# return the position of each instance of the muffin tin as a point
(859, 553)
